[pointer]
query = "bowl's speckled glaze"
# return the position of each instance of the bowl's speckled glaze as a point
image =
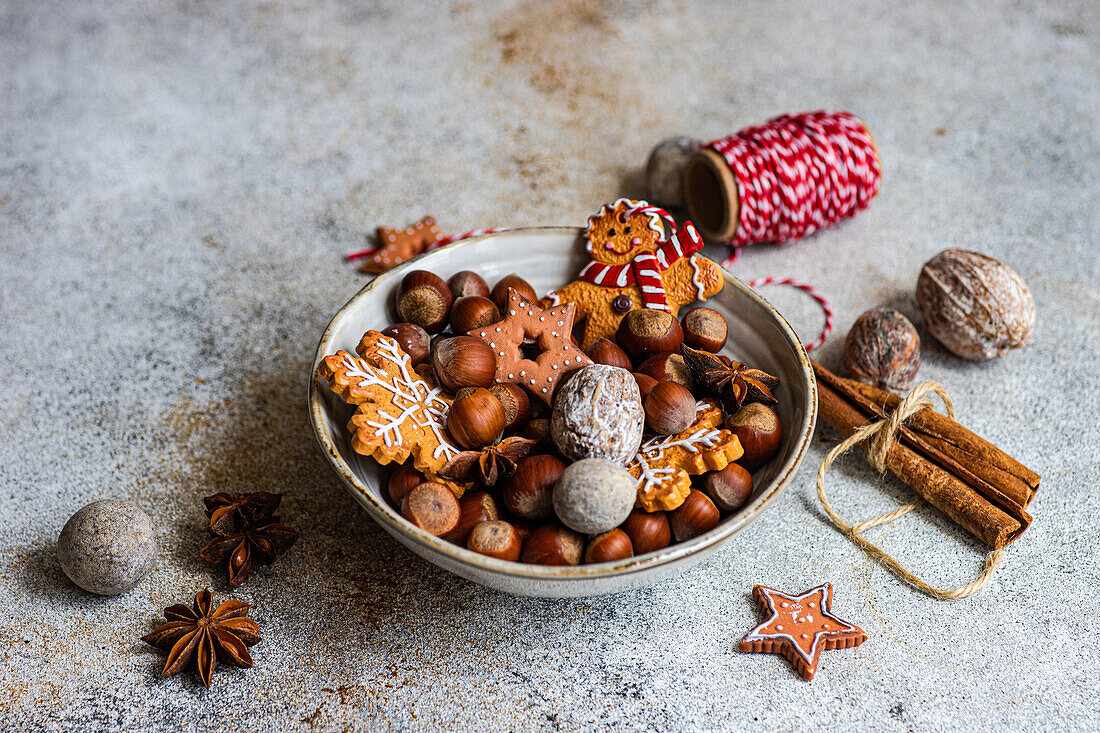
(547, 258)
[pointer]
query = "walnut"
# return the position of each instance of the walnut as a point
(976, 306)
(883, 350)
(598, 414)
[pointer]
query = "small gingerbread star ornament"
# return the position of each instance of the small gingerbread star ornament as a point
(800, 627)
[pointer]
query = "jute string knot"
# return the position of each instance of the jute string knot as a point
(881, 436)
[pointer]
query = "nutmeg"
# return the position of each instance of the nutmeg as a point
(605, 351)
(402, 481)
(669, 408)
(517, 283)
(424, 299)
(694, 517)
(465, 282)
(883, 349)
(729, 488)
(497, 539)
(412, 339)
(529, 492)
(760, 432)
(553, 544)
(704, 329)
(644, 332)
(473, 311)
(608, 547)
(474, 507)
(647, 532)
(476, 419)
(463, 361)
(645, 384)
(667, 367)
(516, 403)
(432, 507)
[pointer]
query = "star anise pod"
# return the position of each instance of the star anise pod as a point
(488, 465)
(735, 384)
(233, 512)
(205, 637)
(250, 547)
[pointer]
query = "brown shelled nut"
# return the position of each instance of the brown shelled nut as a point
(694, 517)
(729, 488)
(463, 361)
(432, 507)
(524, 527)
(402, 481)
(760, 432)
(669, 408)
(474, 507)
(553, 544)
(465, 282)
(606, 351)
(883, 349)
(424, 299)
(704, 329)
(496, 539)
(644, 332)
(476, 419)
(539, 430)
(517, 283)
(670, 367)
(473, 311)
(516, 403)
(608, 547)
(412, 339)
(645, 383)
(529, 492)
(647, 532)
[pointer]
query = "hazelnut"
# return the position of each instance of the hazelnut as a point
(465, 282)
(463, 361)
(704, 329)
(539, 431)
(644, 332)
(645, 384)
(517, 283)
(974, 305)
(432, 507)
(553, 544)
(473, 311)
(667, 367)
(669, 408)
(608, 547)
(412, 339)
(402, 481)
(729, 488)
(883, 349)
(516, 403)
(694, 517)
(760, 432)
(647, 532)
(605, 351)
(424, 299)
(474, 507)
(529, 492)
(524, 527)
(594, 495)
(476, 420)
(496, 539)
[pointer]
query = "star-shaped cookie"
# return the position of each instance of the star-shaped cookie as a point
(550, 329)
(397, 245)
(800, 627)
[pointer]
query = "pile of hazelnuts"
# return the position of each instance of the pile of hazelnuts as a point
(514, 519)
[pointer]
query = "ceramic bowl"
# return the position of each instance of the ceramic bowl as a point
(548, 258)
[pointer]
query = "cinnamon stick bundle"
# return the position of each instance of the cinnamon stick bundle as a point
(979, 486)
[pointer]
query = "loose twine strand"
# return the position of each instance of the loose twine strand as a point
(882, 435)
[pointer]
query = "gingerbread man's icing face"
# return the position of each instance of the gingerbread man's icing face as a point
(616, 236)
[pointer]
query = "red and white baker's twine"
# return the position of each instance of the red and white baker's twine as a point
(809, 290)
(361, 253)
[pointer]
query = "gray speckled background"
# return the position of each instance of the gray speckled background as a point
(179, 180)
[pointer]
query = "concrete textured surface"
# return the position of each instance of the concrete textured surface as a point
(179, 180)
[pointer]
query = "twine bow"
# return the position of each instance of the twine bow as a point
(881, 435)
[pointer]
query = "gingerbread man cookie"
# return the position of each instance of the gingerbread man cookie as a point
(635, 264)
(665, 464)
(397, 245)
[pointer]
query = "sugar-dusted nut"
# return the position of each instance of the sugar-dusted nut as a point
(671, 367)
(694, 517)
(529, 492)
(424, 299)
(608, 547)
(497, 539)
(463, 361)
(413, 339)
(729, 488)
(669, 408)
(705, 329)
(473, 311)
(645, 384)
(465, 282)
(402, 481)
(760, 432)
(476, 419)
(594, 495)
(499, 293)
(553, 544)
(883, 349)
(516, 403)
(648, 532)
(644, 332)
(598, 414)
(474, 507)
(606, 351)
(432, 507)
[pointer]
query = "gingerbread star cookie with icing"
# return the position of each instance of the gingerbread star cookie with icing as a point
(398, 412)
(550, 329)
(665, 464)
(799, 627)
(397, 245)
